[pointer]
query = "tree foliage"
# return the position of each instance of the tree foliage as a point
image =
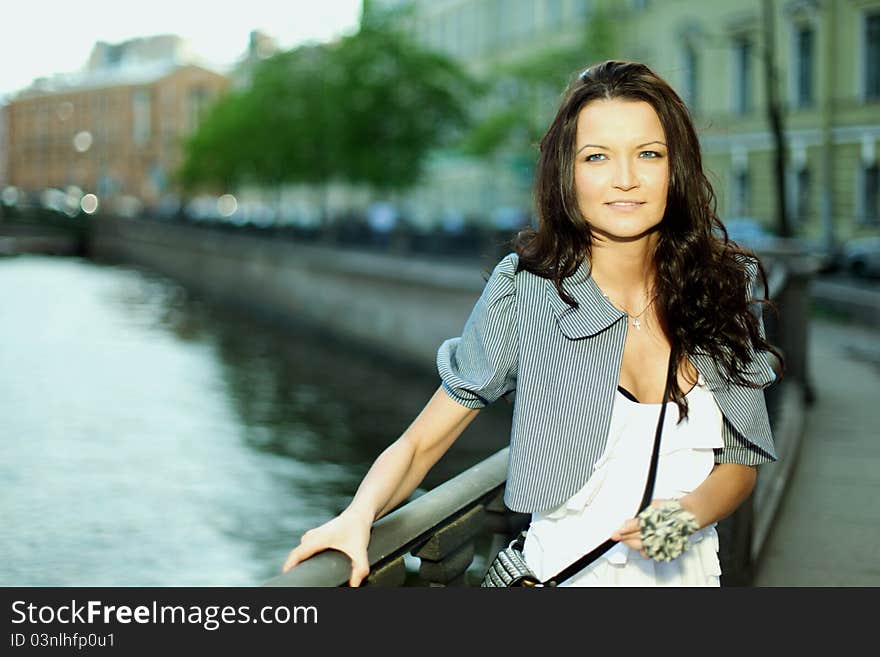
(366, 109)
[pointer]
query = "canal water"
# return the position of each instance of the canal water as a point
(150, 438)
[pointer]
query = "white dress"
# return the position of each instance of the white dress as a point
(559, 537)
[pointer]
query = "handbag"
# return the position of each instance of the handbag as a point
(509, 568)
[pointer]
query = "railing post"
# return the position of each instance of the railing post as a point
(503, 524)
(793, 330)
(448, 554)
(391, 574)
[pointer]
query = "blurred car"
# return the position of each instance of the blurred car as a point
(826, 258)
(507, 218)
(749, 233)
(861, 256)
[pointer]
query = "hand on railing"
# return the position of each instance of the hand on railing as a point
(349, 533)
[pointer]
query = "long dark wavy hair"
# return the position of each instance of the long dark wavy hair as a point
(701, 277)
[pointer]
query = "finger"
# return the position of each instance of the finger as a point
(628, 538)
(292, 560)
(625, 531)
(297, 555)
(634, 543)
(359, 571)
(629, 526)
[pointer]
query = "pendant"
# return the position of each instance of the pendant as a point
(637, 323)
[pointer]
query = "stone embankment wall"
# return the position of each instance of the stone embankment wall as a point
(396, 304)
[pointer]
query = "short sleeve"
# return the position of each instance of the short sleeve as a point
(480, 366)
(736, 448)
(739, 450)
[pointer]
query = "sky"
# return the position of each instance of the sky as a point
(40, 38)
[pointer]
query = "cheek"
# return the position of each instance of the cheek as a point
(663, 186)
(658, 181)
(665, 178)
(588, 188)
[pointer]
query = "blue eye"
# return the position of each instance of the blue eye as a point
(645, 155)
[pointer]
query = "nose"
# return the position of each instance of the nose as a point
(624, 177)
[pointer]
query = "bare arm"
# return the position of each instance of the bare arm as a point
(394, 475)
(726, 487)
(403, 465)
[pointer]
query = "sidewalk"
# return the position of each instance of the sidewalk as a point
(856, 299)
(827, 530)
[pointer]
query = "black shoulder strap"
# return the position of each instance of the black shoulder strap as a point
(597, 552)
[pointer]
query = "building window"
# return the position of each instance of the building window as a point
(493, 25)
(552, 14)
(872, 57)
(197, 100)
(800, 196)
(524, 18)
(466, 23)
(453, 32)
(140, 116)
(439, 41)
(690, 67)
(505, 23)
(739, 206)
(742, 75)
(581, 8)
(869, 197)
(804, 65)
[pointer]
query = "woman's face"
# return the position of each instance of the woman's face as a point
(621, 168)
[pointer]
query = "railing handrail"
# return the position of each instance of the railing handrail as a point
(408, 526)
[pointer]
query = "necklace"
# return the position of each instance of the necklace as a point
(635, 318)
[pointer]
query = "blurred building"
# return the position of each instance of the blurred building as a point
(115, 129)
(260, 46)
(828, 59)
(4, 147)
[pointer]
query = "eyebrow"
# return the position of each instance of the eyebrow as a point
(647, 143)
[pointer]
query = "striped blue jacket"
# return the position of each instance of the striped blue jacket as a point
(564, 365)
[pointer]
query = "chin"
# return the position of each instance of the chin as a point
(623, 231)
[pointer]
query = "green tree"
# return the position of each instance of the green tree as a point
(211, 155)
(401, 101)
(277, 130)
(367, 109)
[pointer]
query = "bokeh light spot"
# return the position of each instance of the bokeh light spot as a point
(89, 204)
(227, 205)
(82, 141)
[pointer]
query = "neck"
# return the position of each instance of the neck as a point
(624, 270)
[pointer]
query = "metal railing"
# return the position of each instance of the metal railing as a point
(449, 535)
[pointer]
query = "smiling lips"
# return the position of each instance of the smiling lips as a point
(625, 205)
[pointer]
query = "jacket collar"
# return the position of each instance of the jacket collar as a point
(594, 313)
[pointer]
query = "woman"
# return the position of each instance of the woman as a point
(625, 280)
